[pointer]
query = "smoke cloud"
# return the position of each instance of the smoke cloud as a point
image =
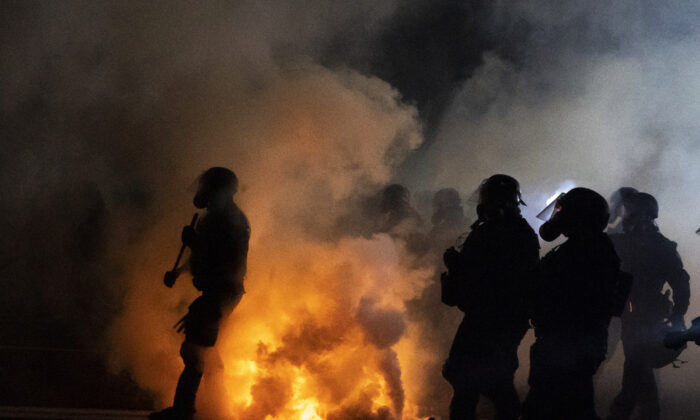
(98, 167)
(604, 96)
(110, 110)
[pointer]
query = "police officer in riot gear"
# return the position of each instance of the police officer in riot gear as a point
(395, 210)
(575, 291)
(487, 279)
(219, 249)
(653, 261)
(448, 218)
(617, 201)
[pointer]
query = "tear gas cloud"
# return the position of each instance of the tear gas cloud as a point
(110, 110)
(603, 96)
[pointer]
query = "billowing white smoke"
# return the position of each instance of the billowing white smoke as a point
(605, 96)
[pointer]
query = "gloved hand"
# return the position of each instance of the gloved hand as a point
(451, 258)
(188, 235)
(677, 323)
(169, 278)
(199, 283)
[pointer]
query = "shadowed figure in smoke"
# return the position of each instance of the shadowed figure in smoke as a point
(219, 246)
(397, 217)
(618, 205)
(617, 201)
(653, 261)
(576, 289)
(388, 210)
(395, 208)
(448, 217)
(437, 322)
(487, 279)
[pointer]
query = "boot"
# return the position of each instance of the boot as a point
(171, 413)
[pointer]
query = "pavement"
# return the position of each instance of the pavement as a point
(41, 413)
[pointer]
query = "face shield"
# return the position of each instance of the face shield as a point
(551, 230)
(553, 207)
(212, 183)
(202, 197)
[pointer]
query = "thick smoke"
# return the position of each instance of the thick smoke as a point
(110, 110)
(120, 106)
(603, 95)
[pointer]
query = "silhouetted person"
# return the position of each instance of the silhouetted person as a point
(395, 209)
(219, 246)
(617, 212)
(617, 201)
(448, 218)
(487, 280)
(437, 323)
(400, 220)
(653, 261)
(574, 295)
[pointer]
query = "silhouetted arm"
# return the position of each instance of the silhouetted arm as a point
(679, 280)
(680, 284)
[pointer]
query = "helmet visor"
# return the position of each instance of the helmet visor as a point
(551, 209)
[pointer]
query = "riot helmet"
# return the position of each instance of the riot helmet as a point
(582, 211)
(499, 193)
(395, 197)
(447, 207)
(618, 200)
(446, 198)
(641, 210)
(216, 181)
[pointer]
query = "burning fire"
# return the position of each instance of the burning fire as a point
(324, 330)
(325, 337)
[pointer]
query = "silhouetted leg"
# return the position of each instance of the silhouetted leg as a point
(539, 404)
(187, 385)
(579, 400)
(558, 395)
(464, 401)
(648, 395)
(186, 390)
(505, 400)
(191, 376)
(632, 383)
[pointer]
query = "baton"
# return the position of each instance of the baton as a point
(182, 248)
(170, 282)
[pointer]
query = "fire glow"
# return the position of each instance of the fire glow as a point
(317, 347)
(323, 330)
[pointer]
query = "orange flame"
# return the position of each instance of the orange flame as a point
(307, 346)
